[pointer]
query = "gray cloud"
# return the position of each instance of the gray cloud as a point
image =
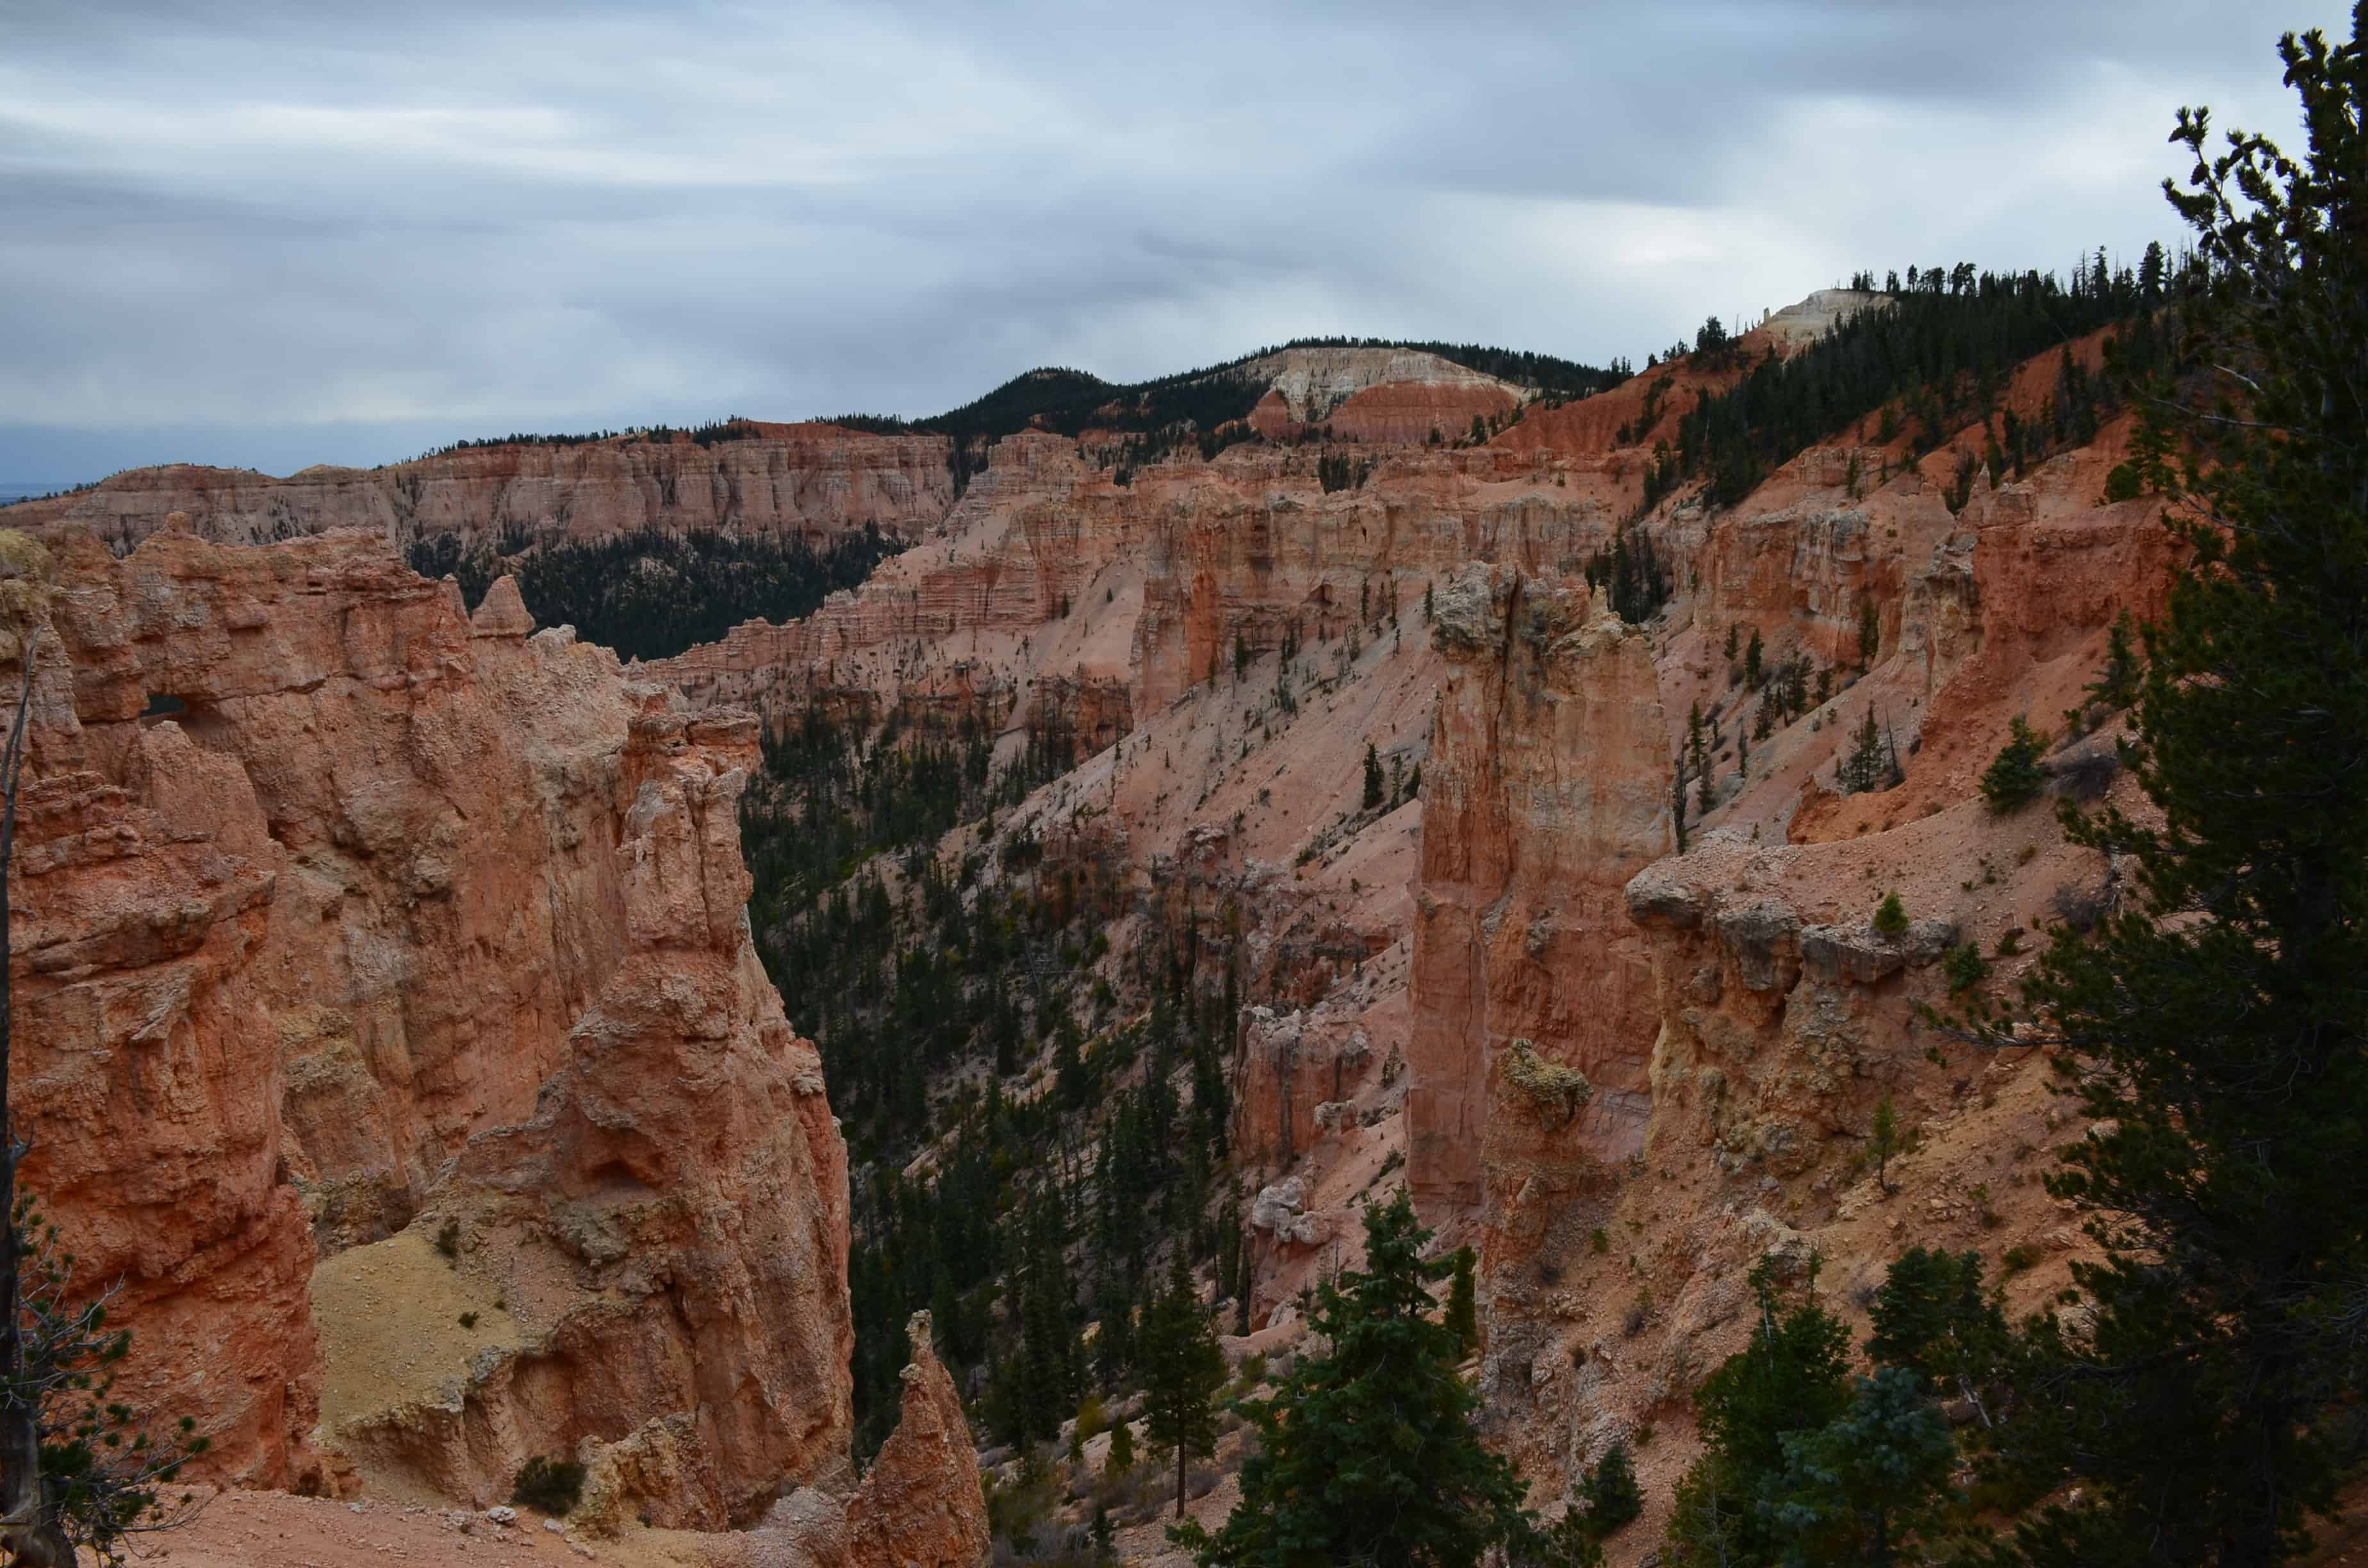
(258, 232)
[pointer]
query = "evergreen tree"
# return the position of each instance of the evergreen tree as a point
(1791, 1379)
(1752, 655)
(2014, 776)
(2116, 686)
(1932, 1318)
(1367, 1453)
(2215, 1030)
(1122, 1449)
(1868, 1483)
(1372, 778)
(1182, 1370)
(1612, 1497)
(1884, 1140)
(1462, 1302)
(1870, 765)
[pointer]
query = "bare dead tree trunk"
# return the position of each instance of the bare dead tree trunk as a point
(27, 1532)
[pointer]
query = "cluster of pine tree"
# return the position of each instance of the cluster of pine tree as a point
(1631, 575)
(1938, 358)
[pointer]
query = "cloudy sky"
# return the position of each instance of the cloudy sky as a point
(271, 233)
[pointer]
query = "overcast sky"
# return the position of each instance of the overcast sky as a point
(274, 233)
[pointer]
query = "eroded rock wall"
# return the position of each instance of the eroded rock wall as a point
(1545, 791)
(811, 481)
(335, 908)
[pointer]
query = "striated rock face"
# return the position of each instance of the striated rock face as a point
(334, 907)
(808, 480)
(921, 1506)
(1544, 792)
(668, 1232)
(1297, 1074)
(1376, 394)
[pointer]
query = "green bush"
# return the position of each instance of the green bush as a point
(549, 1486)
(1890, 917)
(1965, 967)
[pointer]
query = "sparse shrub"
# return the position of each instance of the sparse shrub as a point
(2014, 776)
(1598, 1240)
(1551, 1090)
(1890, 917)
(1965, 967)
(2019, 1258)
(2079, 908)
(2087, 776)
(2009, 942)
(1640, 1312)
(549, 1486)
(468, 1320)
(447, 1239)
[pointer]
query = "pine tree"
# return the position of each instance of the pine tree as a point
(1932, 1318)
(1869, 766)
(1462, 1302)
(2116, 686)
(1791, 1378)
(1870, 1483)
(1612, 1497)
(1122, 1449)
(1368, 1452)
(2214, 1030)
(2014, 776)
(1753, 674)
(1883, 1141)
(1182, 1370)
(1373, 777)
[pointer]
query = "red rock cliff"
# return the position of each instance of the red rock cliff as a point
(811, 479)
(335, 906)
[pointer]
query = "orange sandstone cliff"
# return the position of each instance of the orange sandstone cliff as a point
(374, 968)
(809, 480)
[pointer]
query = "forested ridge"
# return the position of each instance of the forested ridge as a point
(1934, 356)
(651, 594)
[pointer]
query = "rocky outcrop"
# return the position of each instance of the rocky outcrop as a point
(668, 1232)
(1391, 395)
(336, 907)
(811, 481)
(1544, 794)
(1293, 1083)
(921, 1505)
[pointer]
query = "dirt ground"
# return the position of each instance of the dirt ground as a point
(273, 1529)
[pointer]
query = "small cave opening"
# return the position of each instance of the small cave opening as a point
(164, 705)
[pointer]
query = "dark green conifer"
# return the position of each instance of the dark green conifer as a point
(1367, 1453)
(1182, 1370)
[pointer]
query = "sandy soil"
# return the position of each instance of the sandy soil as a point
(272, 1529)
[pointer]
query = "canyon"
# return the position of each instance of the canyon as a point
(396, 1031)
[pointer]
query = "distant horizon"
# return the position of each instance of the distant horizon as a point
(252, 235)
(281, 450)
